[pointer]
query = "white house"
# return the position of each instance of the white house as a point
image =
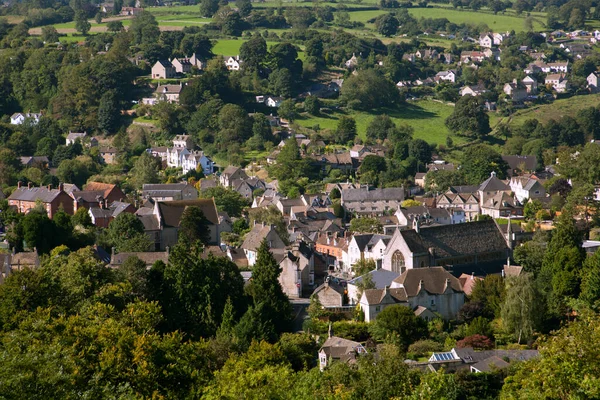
(592, 80)
(255, 237)
(475, 90)
(20, 118)
(233, 63)
(73, 136)
(557, 82)
(338, 349)
(197, 160)
(182, 65)
(486, 40)
(352, 62)
(176, 155)
(163, 69)
(448, 76)
(273, 101)
(526, 188)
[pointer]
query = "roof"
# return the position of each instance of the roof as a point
(164, 187)
(34, 194)
(168, 89)
(365, 194)
(376, 296)
(76, 135)
(456, 240)
(468, 282)
(493, 184)
(468, 355)
(172, 211)
(514, 162)
(339, 348)
(164, 63)
(433, 279)
(489, 364)
(259, 232)
(380, 277)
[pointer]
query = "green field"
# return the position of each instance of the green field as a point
(498, 23)
(425, 116)
(231, 47)
(555, 110)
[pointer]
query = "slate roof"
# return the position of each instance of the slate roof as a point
(165, 63)
(376, 296)
(257, 234)
(380, 277)
(463, 189)
(493, 184)
(149, 221)
(171, 211)
(172, 89)
(456, 240)
(468, 355)
(490, 364)
(515, 161)
(364, 194)
(340, 349)
(34, 194)
(433, 278)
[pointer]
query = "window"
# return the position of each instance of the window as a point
(378, 308)
(433, 302)
(398, 264)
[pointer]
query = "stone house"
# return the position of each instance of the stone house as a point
(108, 154)
(254, 238)
(297, 269)
(230, 174)
(367, 201)
(96, 194)
(336, 349)
(163, 69)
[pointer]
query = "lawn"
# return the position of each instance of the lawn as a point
(556, 109)
(425, 116)
(231, 47)
(498, 23)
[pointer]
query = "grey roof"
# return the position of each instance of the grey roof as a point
(380, 277)
(259, 232)
(492, 184)
(34, 194)
(456, 240)
(469, 356)
(433, 279)
(463, 189)
(164, 186)
(150, 222)
(362, 241)
(364, 194)
(165, 63)
(172, 211)
(515, 161)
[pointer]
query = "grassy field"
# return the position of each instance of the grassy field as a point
(556, 109)
(425, 116)
(498, 23)
(231, 47)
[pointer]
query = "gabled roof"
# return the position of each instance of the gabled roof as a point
(380, 277)
(514, 162)
(259, 232)
(172, 211)
(493, 184)
(376, 296)
(364, 194)
(164, 63)
(34, 194)
(434, 280)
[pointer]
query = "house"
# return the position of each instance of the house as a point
(102, 216)
(273, 102)
(20, 118)
(501, 204)
(486, 40)
(169, 93)
(247, 187)
(476, 90)
(448, 76)
(476, 361)
(352, 62)
(557, 82)
(560, 67)
(531, 85)
(183, 141)
(197, 161)
(366, 246)
(158, 152)
(254, 238)
(163, 69)
(433, 289)
(96, 194)
(330, 295)
(526, 188)
(517, 163)
(381, 279)
(342, 161)
(592, 80)
(169, 191)
(368, 201)
(197, 62)
(23, 199)
(72, 137)
(230, 174)
(148, 257)
(108, 154)
(297, 265)
(468, 57)
(233, 63)
(128, 11)
(515, 90)
(473, 247)
(467, 201)
(182, 65)
(429, 216)
(11, 262)
(339, 349)
(40, 162)
(161, 221)
(426, 54)
(331, 246)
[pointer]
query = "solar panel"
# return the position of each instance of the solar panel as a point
(443, 356)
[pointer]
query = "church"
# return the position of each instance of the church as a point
(475, 247)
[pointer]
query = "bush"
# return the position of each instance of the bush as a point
(422, 348)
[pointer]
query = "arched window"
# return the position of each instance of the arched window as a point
(398, 264)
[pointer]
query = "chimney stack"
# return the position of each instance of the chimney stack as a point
(28, 185)
(49, 187)
(19, 185)
(61, 187)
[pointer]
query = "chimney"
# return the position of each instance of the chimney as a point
(328, 240)
(28, 185)
(421, 285)
(19, 185)
(61, 187)
(49, 187)
(330, 330)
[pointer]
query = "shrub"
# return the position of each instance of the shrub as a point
(477, 342)
(424, 347)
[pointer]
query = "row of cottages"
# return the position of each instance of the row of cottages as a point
(168, 93)
(168, 69)
(26, 198)
(161, 220)
(540, 66)
(21, 118)
(429, 54)
(12, 262)
(169, 191)
(368, 201)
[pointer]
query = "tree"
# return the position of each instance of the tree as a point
(590, 281)
(98, 18)
(145, 170)
(345, 130)
(108, 112)
(372, 164)
(39, 231)
(366, 225)
(469, 118)
(480, 161)
(233, 24)
(208, 8)
(81, 23)
(489, 292)
(387, 25)
(398, 323)
(477, 342)
(281, 82)
(312, 105)
(380, 127)
(420, 150)
(194, 227)
(244, 7)
(228, 200)
(73, 171)
(368, 89)
(114, 26)
(267, 293)
(133, 270)
(287, 110)
(522, 310)
(49, 34)
(254, 53)
(126, 233)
